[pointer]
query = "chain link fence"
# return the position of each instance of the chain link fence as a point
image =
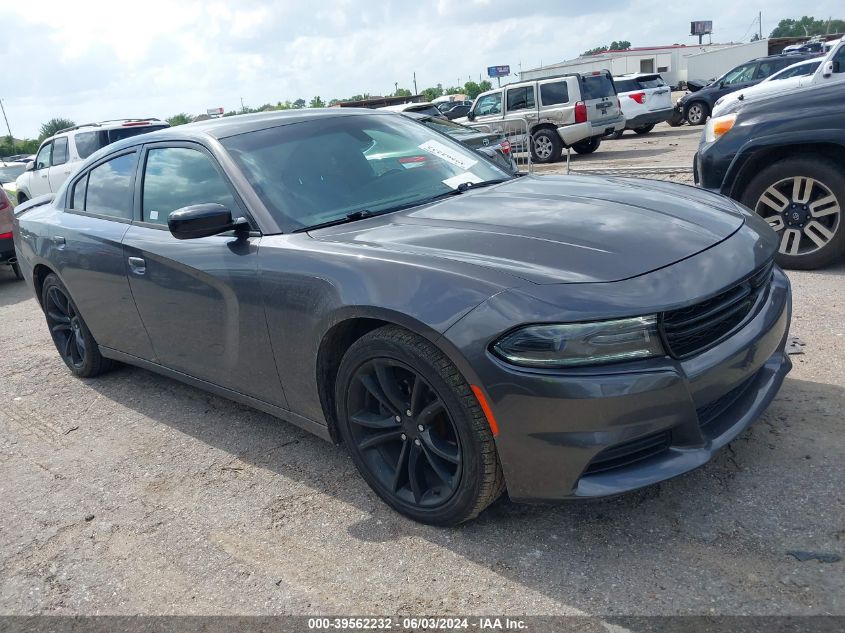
(518, 133)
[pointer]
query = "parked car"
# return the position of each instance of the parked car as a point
(646, 101)
(462, 331)
(494, 146)
(7, 245)
(784, 157)
(574, 111)
(695, 107)
(422, 108)
(59, 155)
(458, 110)
(9, 172)
(771, 85)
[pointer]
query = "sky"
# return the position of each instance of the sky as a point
(89, 60)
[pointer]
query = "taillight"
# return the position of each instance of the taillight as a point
(580, 112)
(4, 202)
(6, 236)
(506, 146)
(639, 97)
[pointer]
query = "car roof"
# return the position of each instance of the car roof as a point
(790, 100)
(402, 107)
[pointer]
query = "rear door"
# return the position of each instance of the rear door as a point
(599, 95)
(60, 167)
(557, 99)
(199, 299)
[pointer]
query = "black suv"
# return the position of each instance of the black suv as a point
(784, 157)
(696, 107)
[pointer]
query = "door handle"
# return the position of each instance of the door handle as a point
(58, 240)
(137, 265)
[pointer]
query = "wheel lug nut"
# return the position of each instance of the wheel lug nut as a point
(420, 427)
(404, 437)
(398, 419)
(408, 413)
(417, 441)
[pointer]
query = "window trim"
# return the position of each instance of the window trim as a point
(101, 216)
(138, 200)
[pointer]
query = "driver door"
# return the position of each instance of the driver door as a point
(39, 177)
(199, 299)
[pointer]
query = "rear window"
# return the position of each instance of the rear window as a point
(89, 142)
(597, 87)
(652, 81)
(429, 110)
(626, 85)
(554, 93)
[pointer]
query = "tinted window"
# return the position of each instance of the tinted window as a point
(86, 143)
(554, 93)
(839, 60)
(767, 68)
(489, 104)
(176, 177)
(110, 187)
(521, 98)
(42, 160)
(60, 151)
(798, 71)
(740, 74)
(77, 198)
(597, 87)
(654, 81)
(626, 85)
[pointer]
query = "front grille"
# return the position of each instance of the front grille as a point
(717, 407)
(629, 453)
(687, 331)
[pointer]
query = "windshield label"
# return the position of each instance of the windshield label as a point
(448, 154)
(469, 178)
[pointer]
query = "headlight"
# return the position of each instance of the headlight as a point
(718, 127)
(571, 344)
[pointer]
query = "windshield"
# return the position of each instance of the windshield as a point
(597, 86)
(9, 173)
(320, 171)
(448, 127)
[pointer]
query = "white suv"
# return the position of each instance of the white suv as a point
(60, 155)
(646, 101)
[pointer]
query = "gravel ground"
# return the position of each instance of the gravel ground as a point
(133, 493)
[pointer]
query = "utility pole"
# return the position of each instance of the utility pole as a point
(760, 24)
(7, 125)
(415, 83)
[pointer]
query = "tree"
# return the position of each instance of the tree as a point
(621, 45)
(755, 37)
(180, 119)
(52, 126)
(298, 104)
(317, 102)
(431, 94)
(807, 26)
(485, 86)
(402, 92)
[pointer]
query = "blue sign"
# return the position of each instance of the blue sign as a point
(498, 71)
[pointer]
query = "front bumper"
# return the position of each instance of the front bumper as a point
(649, 118)
(568, 435)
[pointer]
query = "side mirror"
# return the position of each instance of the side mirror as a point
(829, 68)
(30, 166)
(202, 220)
(471, 115)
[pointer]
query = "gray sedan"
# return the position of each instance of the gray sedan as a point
(463, 331)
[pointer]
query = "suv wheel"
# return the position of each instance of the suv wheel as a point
(587, 146)
(415, 429)
(801, 198)
(697, 113)
(546, 146)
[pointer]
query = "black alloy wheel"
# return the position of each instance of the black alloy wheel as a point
(415, 429)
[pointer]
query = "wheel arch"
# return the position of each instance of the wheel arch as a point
(39, 274)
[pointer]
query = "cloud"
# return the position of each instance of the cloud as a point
(91, 60)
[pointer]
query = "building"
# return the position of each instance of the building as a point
(677, 63)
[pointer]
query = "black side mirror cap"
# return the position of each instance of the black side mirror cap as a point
(203, 220)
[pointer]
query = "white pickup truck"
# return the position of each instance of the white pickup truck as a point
(831, 68)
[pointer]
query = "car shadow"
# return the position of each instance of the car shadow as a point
(12, 289)
(748, 505)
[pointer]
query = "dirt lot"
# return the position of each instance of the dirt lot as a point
(136, 494)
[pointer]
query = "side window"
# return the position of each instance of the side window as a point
(554, 93)
(176, 177)
(739, 75)
(86, 143)
(77, 198)
(42, 160)
(839, 60)
(110, 187)
(60, 151)
(489, 104)
(521, 98)
(768, 68)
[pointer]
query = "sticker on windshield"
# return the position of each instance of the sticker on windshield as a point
(461, 179)
(448, 154)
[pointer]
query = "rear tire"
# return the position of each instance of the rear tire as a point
(803, 199)
(70, 334)
(546, 146)
(587, 146)
(16, 268)
(644, 129)
(415, 429)
(617, 135)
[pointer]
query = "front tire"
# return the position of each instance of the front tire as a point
(22, 198)
(415, 430)
(70, 334)
(802, 199)
(546, 146)
(587, 146)
(697, 113)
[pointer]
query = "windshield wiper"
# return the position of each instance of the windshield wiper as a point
(465, 186)
(349, 217)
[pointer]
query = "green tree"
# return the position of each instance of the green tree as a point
(621, 45)
(298, 104)
(472, 89)
(317, 102)
(485, 86)
(402, 92)
(806, 27)
(52, 126)
(431, 94)
(180, 119)
(454, 90)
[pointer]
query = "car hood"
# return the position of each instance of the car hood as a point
(556, 229)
